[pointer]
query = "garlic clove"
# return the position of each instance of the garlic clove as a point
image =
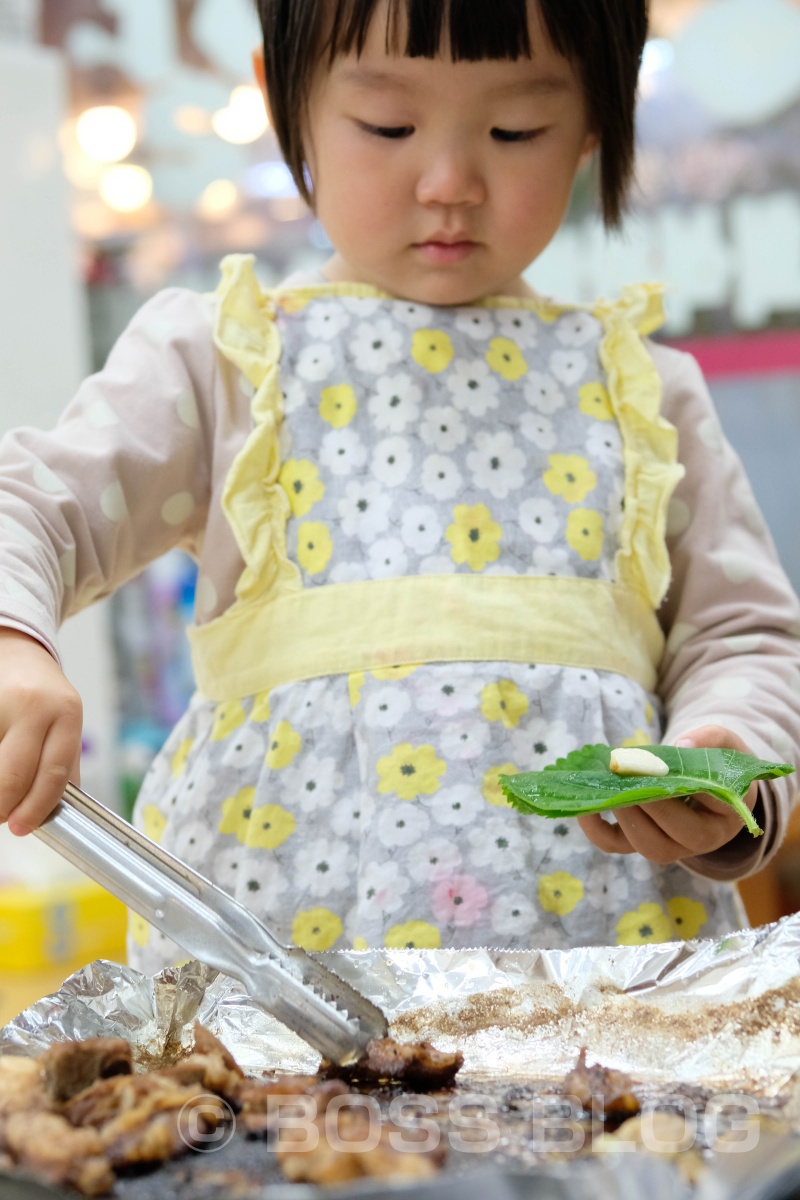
(633, 760)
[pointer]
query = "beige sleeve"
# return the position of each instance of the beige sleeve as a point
(122, 478)
(731, 617)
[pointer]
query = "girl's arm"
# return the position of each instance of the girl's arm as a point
(124, 477)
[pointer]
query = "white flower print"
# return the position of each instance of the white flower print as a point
(324, 865)
(200, 785)
(464, 739)
(513, 915)
(441, 477)
(326, 320)
(504, 569)
(539, 743)
(606, 891)
(194, 840)
(538, 430)
(382, 887)
(312, 785)
(543, 393)
(334, 709)
(315, 362)
(295, 395)
(439, 857)
(539, 519)
(364, 510)
(226, 867)
(421, 529)
(415, 316)
(376, 345)
(551, 560)
(262, 885)
(392, 461)
(342, 451)
(458, 805)
(519, 326)
(497, 843)
(475, 389)
(437, 564)
(448, 696)
(402, 825)
(443, 429)
(386, 707)
(246, 746)
(562, 841)
(539, 678)
(576, 329)
(361, 306)
(346, 817)
(568, 365)
(387, 559)
(345, 572)
(604, 443)
(395, 403)
(497, 465)
(476, 322)
(579, 682)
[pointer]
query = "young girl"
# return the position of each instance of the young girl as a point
(430, 511)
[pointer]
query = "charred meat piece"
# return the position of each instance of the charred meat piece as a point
(209, 1064)
(260, 1101)
(69, 1067)
(414, 1062)
(601, 1090)
(46, 1145)
(22, 1087)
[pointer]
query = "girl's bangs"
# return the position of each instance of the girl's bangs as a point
(468, 31)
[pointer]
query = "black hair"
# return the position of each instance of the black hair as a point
(604, 40)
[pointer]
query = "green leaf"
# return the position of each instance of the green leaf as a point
(583, 782)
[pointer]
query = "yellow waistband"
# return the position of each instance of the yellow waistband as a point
(342, 628)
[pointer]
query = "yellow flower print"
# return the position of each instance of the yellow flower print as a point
(432, 349)
(180, 756)
(154, 823)
(269, 827)
(688, 915)
(355, 683)
(649, 712)
(284, 744)
(569, 476)
(139, 929)
(505, 357)
(260, 710)
(649, 923)
(474, 536)
(302, 484)
(492, 792)
(585, 533)
(338, 405)
(414, 935)
(236, 812)
(560, 892)
(504, 702)
(314, 546)
(410, 771)
(227, 716)
(316, 929)
(639, 738)
(360, 943)
(596, 402)
(390, 673)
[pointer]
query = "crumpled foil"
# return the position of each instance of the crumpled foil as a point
(720, 1013)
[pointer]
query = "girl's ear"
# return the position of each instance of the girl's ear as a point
(590, 146)
(261, 78)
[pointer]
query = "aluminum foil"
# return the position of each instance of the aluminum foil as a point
(715, 1013)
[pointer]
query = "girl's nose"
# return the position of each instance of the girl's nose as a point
(450, 178)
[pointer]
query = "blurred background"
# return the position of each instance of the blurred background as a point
(135, 153)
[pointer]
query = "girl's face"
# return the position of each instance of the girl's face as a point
(440, 182)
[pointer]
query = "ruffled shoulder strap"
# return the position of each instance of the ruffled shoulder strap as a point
(650, 443)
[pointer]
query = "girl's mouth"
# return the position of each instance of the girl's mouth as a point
(445, 253)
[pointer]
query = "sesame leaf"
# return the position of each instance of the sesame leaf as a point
(583, 782)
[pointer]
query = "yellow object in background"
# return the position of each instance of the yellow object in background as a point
(66, 923)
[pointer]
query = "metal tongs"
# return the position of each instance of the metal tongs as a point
(214, 928)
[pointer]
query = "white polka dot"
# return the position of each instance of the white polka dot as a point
(186, 406)
(680, 633)
(710, 434)
(178, 508)
(101, 415)
(112, 502)
(744, 643)
(738, 568)
(205, 595)
(731, 686)
(753, 517)
(68, 563)
(20, 531)
(159, 331)
(246, 387)
(781, 743)
(679, 517)
(47, 480)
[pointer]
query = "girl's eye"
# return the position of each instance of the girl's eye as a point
(516, 135)
(388, 131)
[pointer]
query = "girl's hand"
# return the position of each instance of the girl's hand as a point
(40, 732)
(666, 831)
